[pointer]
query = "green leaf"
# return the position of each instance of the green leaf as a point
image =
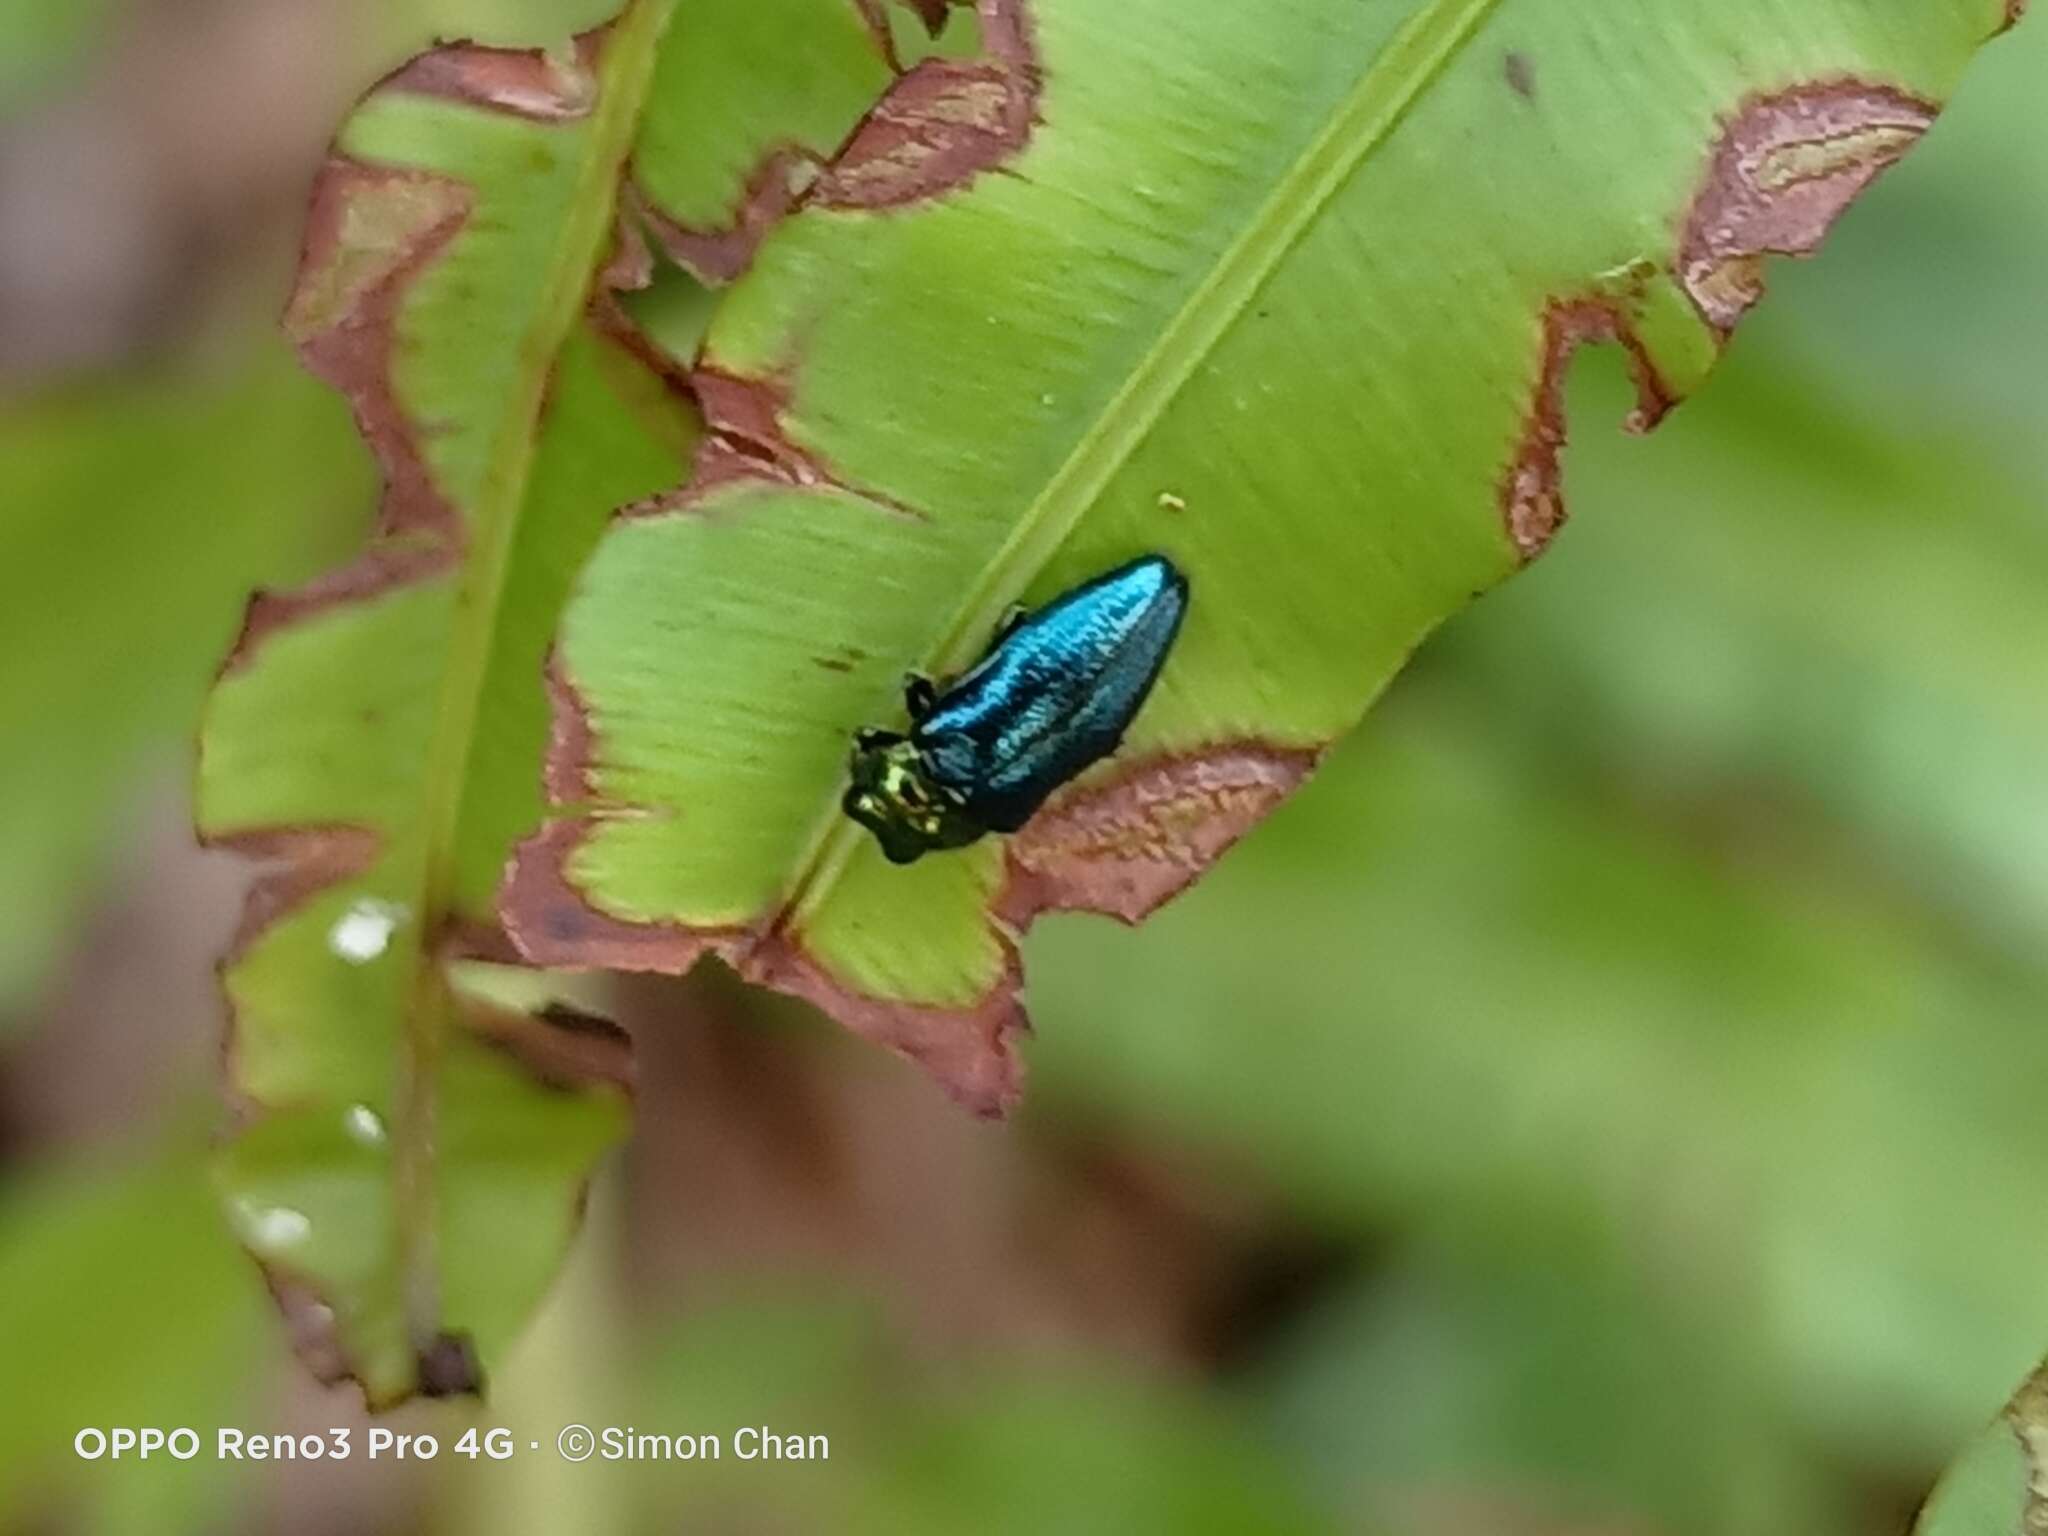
(750, 101)
(750, 98)
(137, 513)
(1999, 1485)
(1284, 292)
(411, 1156)
(1557, 1390)
(124, 1304)
(43, 39)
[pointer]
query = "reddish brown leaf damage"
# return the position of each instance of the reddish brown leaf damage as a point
(419, 533)
(345, 336)
(1783, 170)
(551, 922)
(304, 862)
(969, 1051)
(747, 438)
(1532, 492)
(972, 1051)
(566, 769)
(1126, 847)
(345, 327)
(521, 82)
(944, 123)
(718, 256)
(376, 571)
(308, 860)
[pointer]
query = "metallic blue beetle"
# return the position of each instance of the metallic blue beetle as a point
(1054, 694)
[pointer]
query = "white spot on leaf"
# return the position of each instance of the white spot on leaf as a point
(267, 1228)
(364, 931)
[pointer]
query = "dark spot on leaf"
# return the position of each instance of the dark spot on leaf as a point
(562, 1047)
(448, 1367)
(931, 12)
(1784, 169)
(546, 915)
(844, 659)
(1521, 75)
(579, 1022)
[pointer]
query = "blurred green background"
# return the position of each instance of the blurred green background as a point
(1608, 1100)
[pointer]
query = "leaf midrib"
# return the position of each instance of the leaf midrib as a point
(1391, 85)
(624, 75)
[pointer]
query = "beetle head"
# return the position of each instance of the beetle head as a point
(893, 796)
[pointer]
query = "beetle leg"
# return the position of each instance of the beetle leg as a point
(868, 738)
(919, 696)
(1007, 625)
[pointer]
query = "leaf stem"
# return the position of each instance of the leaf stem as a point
(625, 74)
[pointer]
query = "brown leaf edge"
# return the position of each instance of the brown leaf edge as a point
(353, 273)
(943, 123)
(2025, 1418)
(1782, 168)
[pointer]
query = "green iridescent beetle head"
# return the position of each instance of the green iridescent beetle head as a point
(894, 798)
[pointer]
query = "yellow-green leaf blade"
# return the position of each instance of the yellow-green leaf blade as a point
(1282, 292)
